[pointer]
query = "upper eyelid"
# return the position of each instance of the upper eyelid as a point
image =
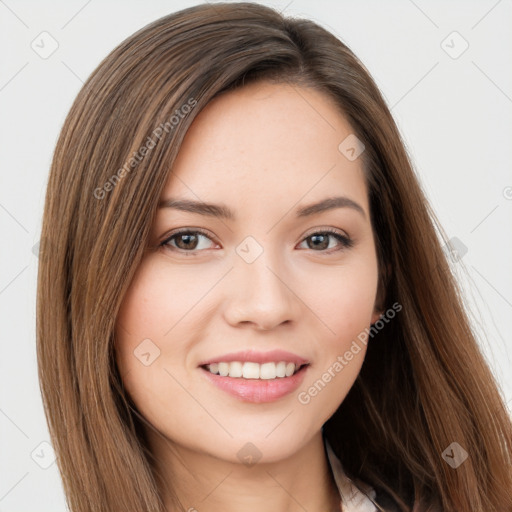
(330, 231)
(188, 230)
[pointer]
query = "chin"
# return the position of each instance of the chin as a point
(251, 446)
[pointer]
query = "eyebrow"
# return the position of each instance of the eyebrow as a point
(224, 212)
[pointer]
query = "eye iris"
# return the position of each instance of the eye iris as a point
(323, 244)
(187, 237)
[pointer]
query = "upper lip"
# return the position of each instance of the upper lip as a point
(257, 357)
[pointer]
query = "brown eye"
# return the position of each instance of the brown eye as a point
(320, 241)
(187, 241)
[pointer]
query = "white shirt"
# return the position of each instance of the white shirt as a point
(352, 499)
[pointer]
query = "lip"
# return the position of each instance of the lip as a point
(257, 390)
(274, 356)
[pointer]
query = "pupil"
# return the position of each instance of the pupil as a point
(323, 244)
(187, 238)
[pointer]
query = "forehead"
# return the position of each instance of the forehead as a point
(267, 142)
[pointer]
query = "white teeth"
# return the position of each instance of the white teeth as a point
(235, 369)
(268, 370)
(249, 370)
(281, 369)
(290, 369)
(223, 369)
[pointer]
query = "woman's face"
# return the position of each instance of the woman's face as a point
(258, 288)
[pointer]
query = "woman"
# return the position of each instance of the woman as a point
(245, 303)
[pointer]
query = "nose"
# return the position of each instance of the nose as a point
(261, 295)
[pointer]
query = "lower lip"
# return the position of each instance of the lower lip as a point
(257, 390)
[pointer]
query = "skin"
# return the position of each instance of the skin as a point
(263, 150)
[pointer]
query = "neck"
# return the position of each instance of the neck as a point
(205, 483)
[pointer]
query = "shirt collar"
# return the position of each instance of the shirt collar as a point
(352, 499)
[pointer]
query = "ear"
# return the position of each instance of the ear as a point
(376, 315)
(380, 299)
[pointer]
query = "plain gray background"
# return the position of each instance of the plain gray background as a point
(453, 106)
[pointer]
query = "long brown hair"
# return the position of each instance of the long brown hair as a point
(424, 383)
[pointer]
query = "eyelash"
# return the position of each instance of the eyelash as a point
(345, 241)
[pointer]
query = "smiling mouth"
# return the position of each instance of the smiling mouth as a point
(254, 371)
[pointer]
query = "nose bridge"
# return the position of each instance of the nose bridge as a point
(262, 293)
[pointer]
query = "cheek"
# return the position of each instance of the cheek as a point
(141, 322)
(159, 305)
(150, 307)
(351, 307)
(345, 305)
(158, 309)
(344, 299)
